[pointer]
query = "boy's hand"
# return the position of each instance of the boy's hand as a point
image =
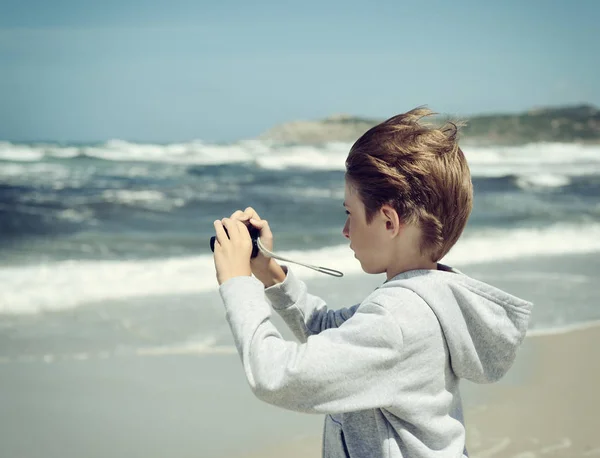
(264, 268)
(232, 254)
(249, 216)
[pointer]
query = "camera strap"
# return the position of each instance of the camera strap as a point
(323, 270)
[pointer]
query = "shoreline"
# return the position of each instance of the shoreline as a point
(202, 349)
(561, 330)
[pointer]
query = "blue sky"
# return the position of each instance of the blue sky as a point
(163, 71)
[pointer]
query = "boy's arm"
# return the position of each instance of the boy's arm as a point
(304, 313)
(353, 367)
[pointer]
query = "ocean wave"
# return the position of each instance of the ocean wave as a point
(544, 180)
(581, 185)
(535, 159)
(328, 157)
(532, 153)
(51, 172)
(569, 159)
(505, 244)
(20, 153)
(69, 284)
(150, 199)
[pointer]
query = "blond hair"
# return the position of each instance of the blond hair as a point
(420, 171)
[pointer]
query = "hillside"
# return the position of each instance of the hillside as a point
(558, 124)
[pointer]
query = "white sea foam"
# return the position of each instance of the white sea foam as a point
(535, 159)
(69, 284)
(76, 216)
(544, 180)
(127, 196)
(181, 153)
(205, 346)
(51, 171)
(313, 193)
(21, 153)
(556, 153)
(505, 244)
(63, 285)
(330, 157)
(149, 199)
(201, 347)
(12, 170)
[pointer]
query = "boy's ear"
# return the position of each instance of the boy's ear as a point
(391, 219)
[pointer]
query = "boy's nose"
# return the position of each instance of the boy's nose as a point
(345, 231)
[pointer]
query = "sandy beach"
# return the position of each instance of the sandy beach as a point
(200, 406)
(546, 407)
(553, 411)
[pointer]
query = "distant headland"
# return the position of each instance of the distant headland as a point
(578, 123)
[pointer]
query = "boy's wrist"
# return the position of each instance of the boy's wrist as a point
(272, 274)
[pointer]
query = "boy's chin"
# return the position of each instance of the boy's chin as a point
(371, 269)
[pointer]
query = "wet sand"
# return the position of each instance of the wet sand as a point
(554, 411)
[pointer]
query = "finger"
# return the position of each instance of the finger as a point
(243, 229)
(239, 215)
(231, 227)
(258, 224)
(251, 213)
(221, 235)
(263, 226)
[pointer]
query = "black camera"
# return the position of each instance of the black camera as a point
(254, 234)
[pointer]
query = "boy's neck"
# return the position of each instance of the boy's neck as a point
(405, 267)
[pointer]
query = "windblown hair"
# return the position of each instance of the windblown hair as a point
(420, 171)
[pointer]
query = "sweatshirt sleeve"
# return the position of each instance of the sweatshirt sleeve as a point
(348, 368)
(304, 313)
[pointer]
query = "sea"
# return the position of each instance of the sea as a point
(104, 248)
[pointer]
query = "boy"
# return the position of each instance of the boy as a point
(386, 371)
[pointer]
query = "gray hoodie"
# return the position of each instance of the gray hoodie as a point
(386, 371)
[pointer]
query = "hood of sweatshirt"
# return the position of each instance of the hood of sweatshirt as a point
(483, 325)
